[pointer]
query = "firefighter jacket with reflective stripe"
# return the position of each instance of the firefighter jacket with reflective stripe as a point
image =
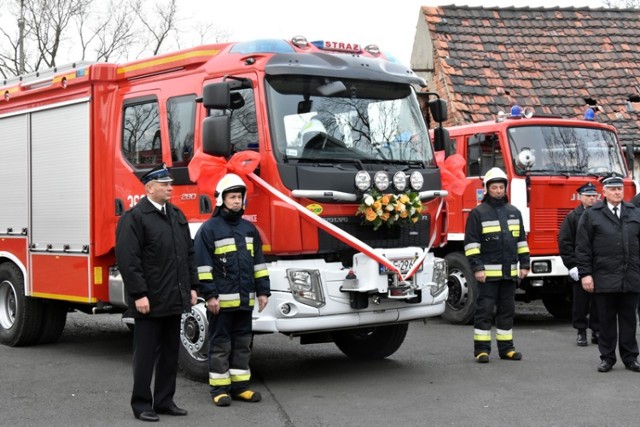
(495, 239)
(231, 265)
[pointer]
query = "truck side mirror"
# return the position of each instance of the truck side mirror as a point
(441, 141)
(438, 108)
(216, 136)
(217, 96)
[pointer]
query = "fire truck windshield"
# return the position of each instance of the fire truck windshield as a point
(565, 150)
(320, 118)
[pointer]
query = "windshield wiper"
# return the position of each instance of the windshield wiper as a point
(330, 160)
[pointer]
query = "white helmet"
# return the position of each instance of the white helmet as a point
(494, 174)
(230, 182)
(312, 128)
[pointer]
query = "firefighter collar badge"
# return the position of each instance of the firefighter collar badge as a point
(159, 174)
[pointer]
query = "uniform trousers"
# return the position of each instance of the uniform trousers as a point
(230, 336)
(617, 313)
(156, 344)
(583, 311)
(498, 294)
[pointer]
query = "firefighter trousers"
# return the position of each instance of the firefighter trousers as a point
(498, 295)
(229, 351)
(583, 310)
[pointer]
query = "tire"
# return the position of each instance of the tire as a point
(558, 305)
(463, 290)
(20, 316)
(194, 344)
(371, 343)
(53, 322)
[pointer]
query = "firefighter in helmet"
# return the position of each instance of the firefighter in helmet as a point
(494, 243)
(233, 275)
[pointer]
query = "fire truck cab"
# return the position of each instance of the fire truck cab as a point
(75, 141)
(546, 160)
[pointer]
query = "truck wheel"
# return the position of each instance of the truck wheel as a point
(558, 305)
(463, 290)
(371, 343)
(54, 320)
(194, 348)
(20, 316)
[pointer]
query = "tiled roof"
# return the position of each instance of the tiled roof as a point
(556, 60)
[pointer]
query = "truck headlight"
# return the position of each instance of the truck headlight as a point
(439, 276)
(305, 286)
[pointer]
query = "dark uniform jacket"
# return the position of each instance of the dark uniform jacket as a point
(155, 256)
(608, 248)
(567, 237)
(495, 239)
(231, 266)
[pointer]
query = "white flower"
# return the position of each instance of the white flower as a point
(368, 200)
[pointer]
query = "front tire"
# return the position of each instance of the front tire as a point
(20, 316)
(194, 343)
(558, 305)
(463, 290)
(371, 343)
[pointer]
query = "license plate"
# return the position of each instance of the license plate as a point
(402, 264)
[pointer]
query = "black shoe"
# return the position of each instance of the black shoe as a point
(632, 366)
(595, 337)
(148, 416)
(605, 366)
(172, 410)
(581, 340)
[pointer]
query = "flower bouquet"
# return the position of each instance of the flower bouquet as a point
(388, 209)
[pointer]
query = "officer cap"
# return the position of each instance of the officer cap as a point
(588, 190)
(158, 174)
(612, 181)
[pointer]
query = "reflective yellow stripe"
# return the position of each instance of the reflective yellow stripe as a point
(492, 229)
(227, 304)
(516, 233)
(240, 375)
(219, 381)
(205, 276)
(216, 379)
(261, 273)
(474, 251)
(225, 249)
(493, 273)
(250, 248)
(481, 335)
(523, 250)
(504, 335)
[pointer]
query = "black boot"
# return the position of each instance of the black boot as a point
(595, 337)
(581, 340)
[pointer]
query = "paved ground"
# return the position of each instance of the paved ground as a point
(85, 380)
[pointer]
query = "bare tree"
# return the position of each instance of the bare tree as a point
(621, 4)
(90, 30)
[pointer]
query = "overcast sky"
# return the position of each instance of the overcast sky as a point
(391, 24)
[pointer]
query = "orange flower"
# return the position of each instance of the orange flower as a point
(386, 199)
(404, 214)
(414, 219)
(385, 216)
(419, 208)
(400, 207)
(370, 214)
(404, 199)
(377, 205)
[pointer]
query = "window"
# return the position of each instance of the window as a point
(181, 112)
(483, 153)
(141, 142)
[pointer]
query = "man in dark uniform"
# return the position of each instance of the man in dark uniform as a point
(495, 242)
(155, 255)
(233, 274)
(584, 314)
(608, 255)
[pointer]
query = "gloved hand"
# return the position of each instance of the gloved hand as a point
(573, 273)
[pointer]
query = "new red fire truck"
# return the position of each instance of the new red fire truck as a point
(331, 122)
(546, 159)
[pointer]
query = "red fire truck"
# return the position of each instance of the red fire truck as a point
(546, 159)
(330, 126)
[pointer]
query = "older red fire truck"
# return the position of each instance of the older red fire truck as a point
(330, 122)
(546, 159)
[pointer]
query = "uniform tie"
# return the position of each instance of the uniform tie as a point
(164, 212)
(615, 212)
